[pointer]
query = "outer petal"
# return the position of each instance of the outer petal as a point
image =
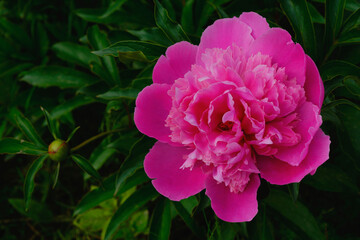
(152, 108)
(257, 23)
(314, 87)
(233, 207)
(277, 44)
(178, 61)
(279, 172)
(163, 164)
(310, 121)
(224, 33)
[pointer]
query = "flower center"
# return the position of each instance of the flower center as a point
(225, 126)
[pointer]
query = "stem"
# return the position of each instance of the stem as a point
(94, 138)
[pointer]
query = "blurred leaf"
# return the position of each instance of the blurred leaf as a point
(199, 231)
(16, 32)
(86, 166)
(13, 70)
(170, 28)
(56, 76)
(352, 5)
(315, 15)
(99, 156)
(295, 213)
(39, 212)
(15, 146)
(332, 179)
(133, 50)
(132, 204)
(161, 220)
(298, 14)
(336, 67)
(114, 5)
(153, 35)
(51, 124)
(29, 183)
(97, 196)
(75, 53)
(98, 40)
(119, 93)
(41, 39)
(70, 105)
(133, 161)
(28, 129)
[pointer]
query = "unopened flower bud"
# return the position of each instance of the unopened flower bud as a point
(58, 150)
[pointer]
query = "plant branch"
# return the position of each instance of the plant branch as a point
(94, 138)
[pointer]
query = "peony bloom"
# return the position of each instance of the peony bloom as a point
(245, 102)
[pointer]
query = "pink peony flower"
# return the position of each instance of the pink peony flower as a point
(245, 102)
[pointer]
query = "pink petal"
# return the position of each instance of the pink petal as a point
(233, 207)
(277, 43)
(314, 87)
(152, 108)
(257, 23)
(178, 61)
(163, 164)
(224, 33)
(310, 121)
(279, 172)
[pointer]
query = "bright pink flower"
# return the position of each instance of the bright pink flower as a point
(245, 102)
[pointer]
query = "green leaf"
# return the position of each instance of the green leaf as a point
(28, 129)
(51, 123)
(29, 183)
(98, 40)
(86, 166)
(56, 76)
(132, 204)
(352, 21)
(298, 14)
(352, 84)
(331, 178)
(39, 212)
(99, 156)
(75, 53)
(15, 146)
(115, 5)
(170, 28)
(294, 212)
(199, 231)
(98, 195)
(56, 177)
(153, 35)
(351, 37)
(15, 69)
(338, 102)
(72, 134)
(119, 93)
(349, 116)
(161, 220)
(338, 68)
(315, 15)
(70, 105)
(334, 11)
(294, 190)
(133, 50)
(133, 161)
(187, 18)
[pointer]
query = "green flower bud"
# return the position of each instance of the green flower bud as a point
(58, 150)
